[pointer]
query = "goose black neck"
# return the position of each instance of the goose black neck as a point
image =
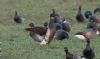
(80, 7)
(16, 13)
(88, 42)
(53, 11)
(66, 50)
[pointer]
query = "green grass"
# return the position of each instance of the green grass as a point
(17, 44)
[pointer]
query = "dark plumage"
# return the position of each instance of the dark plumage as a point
(95, 18)
(87, 14)
(92, 25)
(18, 19)
(37, 29)
(37, 32)
(70, 55)
(79, 16)
(60, 34)
(66, 26)
(96, 10)
(88, 52)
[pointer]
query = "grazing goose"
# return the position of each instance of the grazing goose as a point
(50, 32)
(88, 33)
(70, 55)
(87, 14)
(88, 52)
(60, 34)
(93, 17)
(66, 26)
(79, 16)
(18, 19)
(96, 10)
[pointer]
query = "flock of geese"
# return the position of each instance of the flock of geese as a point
(58, 28)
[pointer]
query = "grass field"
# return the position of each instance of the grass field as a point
(16, 42)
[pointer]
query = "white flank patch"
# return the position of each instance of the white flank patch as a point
(80, 37)
(83, 58)
(97, 32)
(43, 42)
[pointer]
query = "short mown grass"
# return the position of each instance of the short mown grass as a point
(16, 42)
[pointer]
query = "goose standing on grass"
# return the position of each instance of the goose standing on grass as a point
(79, 16)
(88, 33)
(56, 16)
(70, 55)
(50, 32)
(18, 18)
(88, 52)
(60, 34)
(37, 32)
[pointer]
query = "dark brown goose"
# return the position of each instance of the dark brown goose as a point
(89, 52)
(79, 16)
(66, 26)
(18, 19)
(60, 34)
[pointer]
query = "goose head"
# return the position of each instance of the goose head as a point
(31, 25)
(54, 13)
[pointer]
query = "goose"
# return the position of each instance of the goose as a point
(79, 16)
(60, 34)
(88, 52)
(89, 33)
(70, 55)
(18, 19)
(88, 15)
(96, 10)
(37, 29)
(66, 26)
(50, 32)
(36, 32)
